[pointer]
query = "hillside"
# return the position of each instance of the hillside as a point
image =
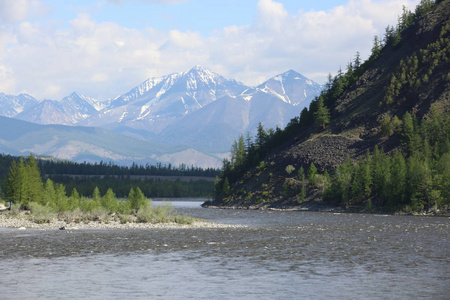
(364, 111)
(90, 144)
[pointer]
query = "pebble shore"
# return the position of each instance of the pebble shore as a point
(23, 223)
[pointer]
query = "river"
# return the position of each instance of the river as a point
(274, 255)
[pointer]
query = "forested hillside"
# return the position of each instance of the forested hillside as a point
(154, 180)
(376, 138)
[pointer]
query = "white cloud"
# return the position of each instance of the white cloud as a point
(12, 11)
(104, 59)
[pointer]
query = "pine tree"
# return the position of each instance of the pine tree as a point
(322, 114)
(74, 200)
(17, 188)
(61, 202)
(50, 194)
(109, 201)
(34, 183)
(137, 200)
(261, 137)
(380, 175)
(312, 173)
(397, 183)
(301, 178)
(226, 189)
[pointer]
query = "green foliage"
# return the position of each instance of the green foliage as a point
(370, 178)
(24, 184)
(136, 200)
(88, 205)
(74, 200)
(109, 201)
(322, 114)
(389, 125)
(418, 68)
(160, 214)
(390, 181)
(226, 189)
(41, 214)
(289, 169)
(312, 172)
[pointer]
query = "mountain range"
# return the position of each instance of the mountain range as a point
(195, 111)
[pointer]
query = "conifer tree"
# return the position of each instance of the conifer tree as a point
(74, 200)
(397, 183)
(109, 201)
(50, 194)
(61, 202)
(34, 183)
(322, 114)
(17, 188)
(312, 172)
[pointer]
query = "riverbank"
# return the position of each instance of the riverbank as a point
(22, 222)
(319, 206)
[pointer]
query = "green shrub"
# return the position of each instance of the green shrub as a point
(73, 216)
(100, 214)
(88, 205)
(184, 220)
(41, 214)
(145, 215)
(15, 209)
(124, 219)
(124, 207)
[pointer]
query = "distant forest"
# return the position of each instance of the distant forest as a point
(160, 180)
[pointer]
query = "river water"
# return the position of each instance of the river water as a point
(275, 255)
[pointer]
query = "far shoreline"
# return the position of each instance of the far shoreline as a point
(314, 206)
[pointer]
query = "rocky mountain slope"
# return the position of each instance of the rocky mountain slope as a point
(409, 73)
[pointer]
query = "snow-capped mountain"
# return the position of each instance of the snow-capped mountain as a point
(69, 111)
(11, 106)
(159, 101)
(273, 103)
(292, 88)
(198, 108)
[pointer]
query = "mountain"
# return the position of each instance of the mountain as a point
(198, 108)
(157, 102)
(292, 87)
(69, 111)
(91, 144)
(10, 105)
(377, 139)
(216, 126)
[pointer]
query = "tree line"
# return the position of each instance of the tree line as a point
(49, 200)
(106, 175)
(54, 167)
(25, 186)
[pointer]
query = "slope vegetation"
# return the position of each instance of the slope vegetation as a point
(397, 102)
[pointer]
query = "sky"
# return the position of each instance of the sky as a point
(104, 48)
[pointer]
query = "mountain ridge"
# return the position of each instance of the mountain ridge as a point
(157, 108)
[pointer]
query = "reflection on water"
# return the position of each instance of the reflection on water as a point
(279, 255)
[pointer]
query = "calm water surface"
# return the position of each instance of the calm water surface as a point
(278, 255)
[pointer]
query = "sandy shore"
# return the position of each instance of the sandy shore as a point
(24, 223)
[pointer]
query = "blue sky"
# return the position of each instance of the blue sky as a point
(204, 16)
(103, 48)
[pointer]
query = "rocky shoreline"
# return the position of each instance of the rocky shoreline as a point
(315, 206)
(24, 223)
